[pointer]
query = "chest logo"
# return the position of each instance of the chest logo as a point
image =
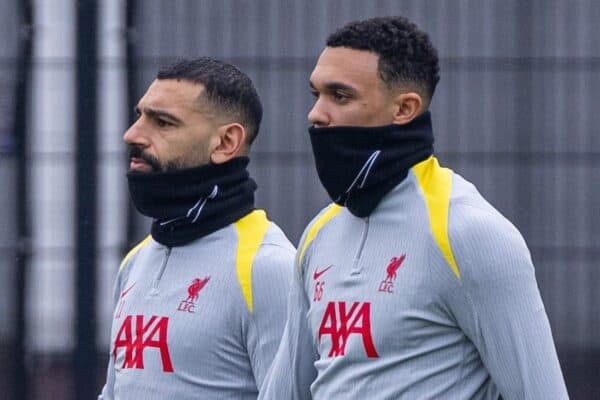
(317, 274)
(122, 300)
(193, 290)
(342, 319)
(387, 285)
(318, 292)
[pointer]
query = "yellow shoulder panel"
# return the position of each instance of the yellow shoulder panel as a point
(436, 184)
(135, 250)
(331, 212)
(251, 230)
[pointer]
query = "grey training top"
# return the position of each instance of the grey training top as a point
(432, 297)
(200, 321)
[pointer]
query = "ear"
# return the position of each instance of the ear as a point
(408, 106)
(231, 143)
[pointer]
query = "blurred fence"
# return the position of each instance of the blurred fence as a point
(515, 113)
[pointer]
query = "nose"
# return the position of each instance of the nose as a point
(135, 134)
(318, 115)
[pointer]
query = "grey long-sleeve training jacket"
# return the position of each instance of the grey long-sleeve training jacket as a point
(200, 321)
(432, 297)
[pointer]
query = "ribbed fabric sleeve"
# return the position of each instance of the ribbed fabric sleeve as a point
(292, 371)
(270, 282)
(107, 392)
(499, 306)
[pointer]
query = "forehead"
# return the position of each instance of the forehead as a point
(171, 93)
(349, 66)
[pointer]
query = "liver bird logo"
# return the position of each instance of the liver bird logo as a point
(195, 288)
(393, 266)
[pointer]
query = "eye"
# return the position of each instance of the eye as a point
(162, 123)
(314, 93)
(340, 97)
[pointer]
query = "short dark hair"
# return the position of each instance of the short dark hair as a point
(225, 87)
(406, 54)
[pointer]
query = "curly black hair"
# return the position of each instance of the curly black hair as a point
(406, 55)
(225, 87)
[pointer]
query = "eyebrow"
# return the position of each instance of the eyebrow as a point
(333, 86)
(156, 114)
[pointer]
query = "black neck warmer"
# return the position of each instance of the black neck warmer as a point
(190, 203)
(358, 166)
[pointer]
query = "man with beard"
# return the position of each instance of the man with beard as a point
(410, 285)
(199, 303)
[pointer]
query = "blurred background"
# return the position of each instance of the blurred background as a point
(516, 112)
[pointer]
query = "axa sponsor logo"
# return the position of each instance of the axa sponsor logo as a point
(136, 335)
(387, 285)
(343, 319)
(193, 291)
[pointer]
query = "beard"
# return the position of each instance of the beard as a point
(171, 165)
(153, 162)
(137, 152)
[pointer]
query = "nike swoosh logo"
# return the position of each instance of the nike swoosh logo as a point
(124, 292)
(317, 274)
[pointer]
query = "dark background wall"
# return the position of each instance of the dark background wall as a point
(515, 112)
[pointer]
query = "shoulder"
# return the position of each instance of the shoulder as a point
(258, 237)
(133, 253)
(275, 254)
(316, 225)
(485, 243)
(263, 256)
(473, 220)
(471, 235)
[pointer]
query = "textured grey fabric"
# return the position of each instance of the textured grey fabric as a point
(217, 347)
(377, 311)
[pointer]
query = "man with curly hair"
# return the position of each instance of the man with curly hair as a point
(410, 285)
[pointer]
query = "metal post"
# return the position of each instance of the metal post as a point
(20, 386)
(86, 202)
(130, 234)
